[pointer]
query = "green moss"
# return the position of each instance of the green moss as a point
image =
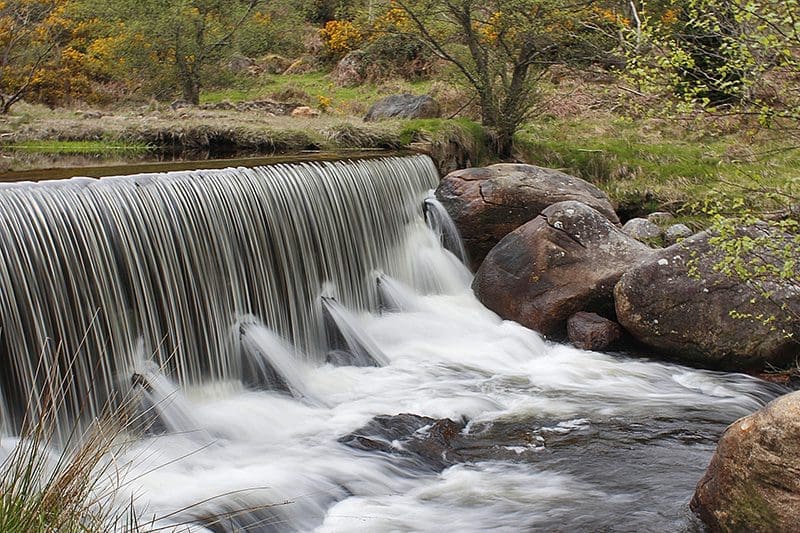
(446, 135)
(749, 512)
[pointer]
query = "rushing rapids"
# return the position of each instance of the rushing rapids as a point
(261, 315)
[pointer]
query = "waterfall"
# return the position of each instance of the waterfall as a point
(259, 321)
(91, 268)
(439, 221)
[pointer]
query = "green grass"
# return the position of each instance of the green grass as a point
(412, 129)
(660, 165)
(76, 147)
(309, 89)
(432, 128)
(65, 491)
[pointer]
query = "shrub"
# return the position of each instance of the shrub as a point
(340, 37)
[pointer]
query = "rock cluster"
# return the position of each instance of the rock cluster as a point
(547, 245)
(550, 254)
(488, 203)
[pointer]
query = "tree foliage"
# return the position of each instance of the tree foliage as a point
(712, 53)
(177, 44)
(502, 47)
(30, 34)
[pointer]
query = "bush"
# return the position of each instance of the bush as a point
(397, 56)
(340, 37)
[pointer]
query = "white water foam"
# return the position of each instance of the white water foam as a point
(592, 441)
(448, 357)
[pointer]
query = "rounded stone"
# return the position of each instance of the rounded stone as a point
(753, 481)
(566, 260)
(643, 230)
(676, 233)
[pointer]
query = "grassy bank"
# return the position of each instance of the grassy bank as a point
(659, 164)
(316, 90)
(36, 139)
(644, 164)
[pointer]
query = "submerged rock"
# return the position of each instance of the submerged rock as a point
(753, 481)
(428, 442)
(590, 331)
(680, 304)
(566, 260)
(425, 443)
(403, 106)
(488, 203)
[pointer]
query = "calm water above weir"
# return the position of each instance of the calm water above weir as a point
(241, 301)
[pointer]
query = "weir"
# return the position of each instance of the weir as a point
(92, 268)
(301, 346)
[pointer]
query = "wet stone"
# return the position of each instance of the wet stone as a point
(427, 442)
(590, 331)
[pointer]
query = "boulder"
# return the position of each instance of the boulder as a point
(427, 442)
(566, 260)
(644, 231)
(677, 232)
(753, 481)
(302, 65)
(488, 203)
(350, 70)
(403, 106)
(274, 64)
(678, 303)
(304, 111)
(239, 64)
(590, 331)
(660, 217)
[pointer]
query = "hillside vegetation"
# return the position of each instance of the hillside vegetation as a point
(665, 105)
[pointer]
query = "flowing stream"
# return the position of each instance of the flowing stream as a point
(263, 315)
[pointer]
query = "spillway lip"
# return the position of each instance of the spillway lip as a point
(50, 174)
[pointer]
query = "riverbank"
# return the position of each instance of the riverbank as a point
(644, 165)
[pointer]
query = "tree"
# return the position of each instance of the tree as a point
(30, 32)
(176, 44)
(714, 53)
(502, 47)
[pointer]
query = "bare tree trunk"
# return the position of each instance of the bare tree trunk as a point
(505, 141)
(191, 90)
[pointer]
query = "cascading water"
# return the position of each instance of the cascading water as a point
(439, 221)
(91, 267)
(209, 294)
